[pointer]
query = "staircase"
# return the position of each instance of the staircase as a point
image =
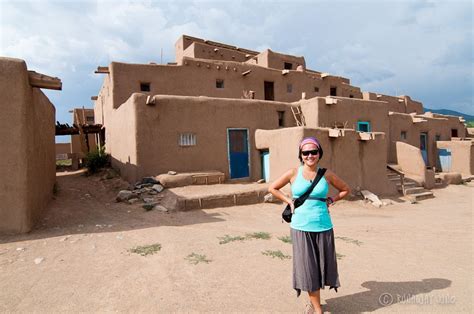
(410, 189)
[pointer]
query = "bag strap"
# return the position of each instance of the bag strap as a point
(305, 195)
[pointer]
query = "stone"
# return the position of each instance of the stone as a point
(149, 180)
(149, 206)
(269, 198)
(172, 172)
(261, 181)
(372, 197)
(124, 195)
(148, 200)
(39, 260)
(158, 188)
(133, 201)
(161, 208)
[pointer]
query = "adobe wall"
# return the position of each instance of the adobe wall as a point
(275, 60)
(462, 155)
(205, 51)
(413, 125)
(411, 162)
(185, 41)
(121, 138)
(198, 77)
(159, 126)
(401, 104)
(345, 113)
(27, 131)
(62, 148)
(362, 164)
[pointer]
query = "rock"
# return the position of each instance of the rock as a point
(149, 206)
(372, 197)
(39, 260)
(158, 188)
(261, 181)
(148, 200)
(20, 249)
(124, 195)
(161, 208)
(269, 198)
(149, 180)
(133, 201)
(171, 172)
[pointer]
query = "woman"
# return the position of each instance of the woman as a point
(314, 255)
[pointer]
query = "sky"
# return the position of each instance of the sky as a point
(423, 49)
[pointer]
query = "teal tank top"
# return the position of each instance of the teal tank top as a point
(313, 215)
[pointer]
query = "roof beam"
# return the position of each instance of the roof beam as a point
(44, 81)
(102, 70)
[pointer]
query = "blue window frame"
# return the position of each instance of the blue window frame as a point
(363, 126)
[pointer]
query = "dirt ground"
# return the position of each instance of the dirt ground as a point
(400, 258)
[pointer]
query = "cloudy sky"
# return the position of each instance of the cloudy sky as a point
(419, 48)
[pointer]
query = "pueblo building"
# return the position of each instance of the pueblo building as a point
(242, 113)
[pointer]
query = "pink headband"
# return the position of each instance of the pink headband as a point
(309, 140)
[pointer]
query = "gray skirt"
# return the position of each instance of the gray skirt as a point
(314, 261)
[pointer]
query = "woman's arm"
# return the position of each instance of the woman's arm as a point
(339, 184)
(275, 187)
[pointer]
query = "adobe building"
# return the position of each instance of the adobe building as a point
(203, 111)
(27, 170)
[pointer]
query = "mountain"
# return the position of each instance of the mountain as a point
(451, 113)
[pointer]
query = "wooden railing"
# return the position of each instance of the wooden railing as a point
(402, 177)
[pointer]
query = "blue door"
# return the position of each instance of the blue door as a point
(266, 166)
(424, 146)
(445, 159)
(238, 148)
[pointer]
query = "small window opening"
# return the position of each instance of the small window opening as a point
(316, 89)
(333, 91)
(145, 87)
(289, 88)
(187, 139)
(363, 126)
(219, 83)
(454, 132)
(288, 66)
(281, 118)
(403, 135)
(351, 96)
(90, 119)
(437, 137)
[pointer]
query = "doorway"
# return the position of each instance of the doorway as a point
(424, 146)
(269, 90)
(238, 153)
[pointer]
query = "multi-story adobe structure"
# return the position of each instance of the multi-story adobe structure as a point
(203, 112)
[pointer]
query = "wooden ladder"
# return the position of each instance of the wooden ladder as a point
(298, 115)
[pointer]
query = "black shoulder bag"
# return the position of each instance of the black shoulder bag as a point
(286, 214)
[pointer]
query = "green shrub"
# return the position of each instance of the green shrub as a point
(96, 159)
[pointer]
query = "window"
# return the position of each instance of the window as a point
(351, 96)
(219, 83)
(316, 89)
(403, 135)
(145, 87)
(187, 139)
(363, 126)
(90, 119)
(281, 118)
(289, 88)
(454, 132)
(288, 66)
(333, 91)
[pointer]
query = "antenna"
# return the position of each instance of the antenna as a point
(161, 57)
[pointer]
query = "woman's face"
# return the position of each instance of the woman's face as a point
(312, 158)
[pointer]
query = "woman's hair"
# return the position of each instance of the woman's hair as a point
(308, 140)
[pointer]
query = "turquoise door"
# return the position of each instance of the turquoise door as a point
(238, 149)
(424, 146)
(266, 166)
(445, 159)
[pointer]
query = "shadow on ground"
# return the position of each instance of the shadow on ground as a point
(385, 294)
(86, 204)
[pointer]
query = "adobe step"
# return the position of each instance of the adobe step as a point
(415, 190)
(420, 196)
(408, 184)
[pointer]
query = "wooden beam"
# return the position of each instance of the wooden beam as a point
(44, 81)
(246, 72)
(102, 70)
